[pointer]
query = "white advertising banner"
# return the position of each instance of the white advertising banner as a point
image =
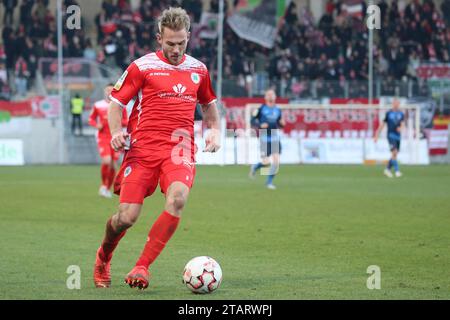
(11, 152)
(320, 151)
(338, 151)
(411, 151)
(15, 125)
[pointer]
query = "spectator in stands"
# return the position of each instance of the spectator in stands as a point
(195, 8)
(445, 8)
(3, 74)
(21, 76)
(30, 54)
(75, 48)
(41, 11)
(26, 8)
(9, 39)
(89, 52)
(9, 7)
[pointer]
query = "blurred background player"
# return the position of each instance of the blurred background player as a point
(395, 121)
(268, 120)
(169, 84)
(109, 157)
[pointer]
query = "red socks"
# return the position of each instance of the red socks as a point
(108, 174)
(104, 169)
(111, 240)
(111, 176)
(161, 231)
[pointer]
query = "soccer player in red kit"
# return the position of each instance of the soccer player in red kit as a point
(159, 141)
(99, 119)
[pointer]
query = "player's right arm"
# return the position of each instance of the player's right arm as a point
(260, 125)
(93, 119)
(124, 90)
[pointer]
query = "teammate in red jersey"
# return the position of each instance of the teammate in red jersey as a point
(109, 157)
(159, 141)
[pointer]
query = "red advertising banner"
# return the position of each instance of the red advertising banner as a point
(437, 71)
(321, 121)
(17, 108)
(353, 101)
(37, 107)
(317, 122)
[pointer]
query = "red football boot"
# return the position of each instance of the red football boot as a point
(138, 277)
(102, 272)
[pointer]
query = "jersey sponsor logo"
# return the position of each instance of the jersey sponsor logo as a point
(178, 94)
(195, 78)
(119, 82)
(159, 74)
(179, 88)
(127, 171)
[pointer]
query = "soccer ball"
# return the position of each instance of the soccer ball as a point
(202, 275)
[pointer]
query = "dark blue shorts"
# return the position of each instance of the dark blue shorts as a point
(394, 144)
(268, 148)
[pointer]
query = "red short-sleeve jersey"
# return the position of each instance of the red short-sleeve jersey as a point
(166, 99)
(99, 114)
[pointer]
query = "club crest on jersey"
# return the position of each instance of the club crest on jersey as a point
(127, 171)
(195, 78)
(119, 82)
(179, 88)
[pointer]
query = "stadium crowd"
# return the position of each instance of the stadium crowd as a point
(330, 51)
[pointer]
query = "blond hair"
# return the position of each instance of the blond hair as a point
(174, 19)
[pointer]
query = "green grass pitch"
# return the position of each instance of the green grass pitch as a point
(312, 238)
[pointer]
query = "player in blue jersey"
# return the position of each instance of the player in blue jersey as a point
(268, 121)
(394, 120)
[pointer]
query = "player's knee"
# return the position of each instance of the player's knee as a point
(125, 221)
(176, 202)
(126, 217)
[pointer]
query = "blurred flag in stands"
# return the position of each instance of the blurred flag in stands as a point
(208, 25)
(257, 20)
(353, 8)
(438, 136)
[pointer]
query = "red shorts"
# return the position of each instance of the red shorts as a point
(105, 149)
(134, 182)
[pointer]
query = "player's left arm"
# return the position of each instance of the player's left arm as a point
(212, 121)
(281, 123)
(207, 100)
(402, 124)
